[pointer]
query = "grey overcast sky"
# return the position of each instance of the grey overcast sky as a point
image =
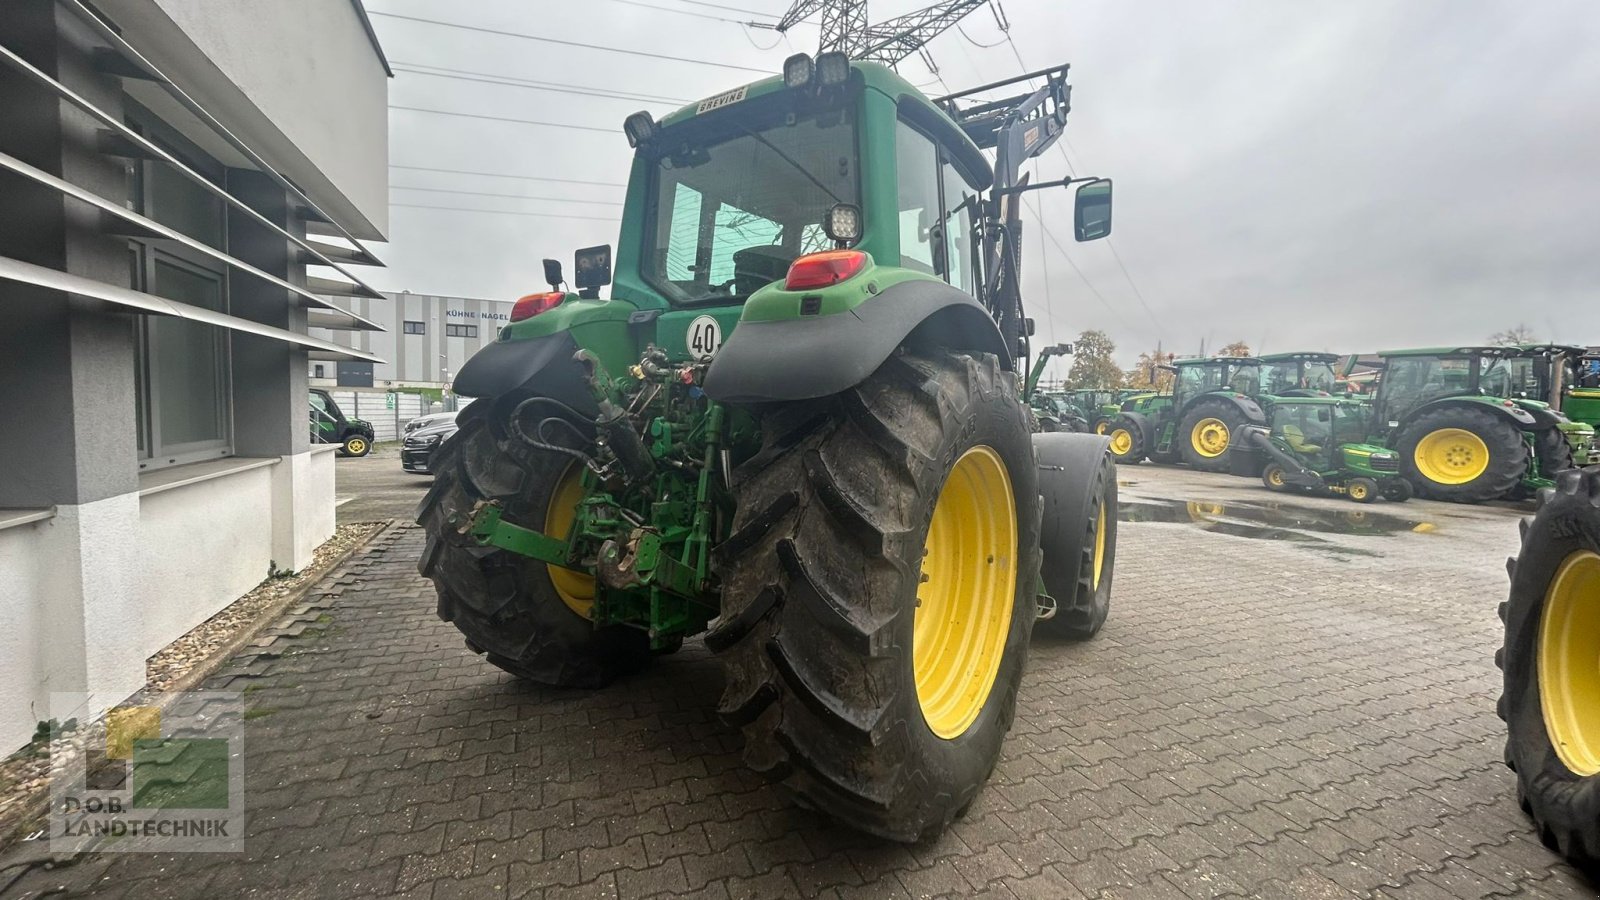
(1340, 176)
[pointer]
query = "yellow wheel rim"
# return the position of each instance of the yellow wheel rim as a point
(1451, 456)
(1210, 437)
(1569, 662)
(356, 445)
(1099, 546)
(1275, 477)
(1358, 492)
(964, 604)
(1100, 427)
(576, 589)
(1121, 442)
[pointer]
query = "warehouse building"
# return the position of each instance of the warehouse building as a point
(424, 341)
(183, 181)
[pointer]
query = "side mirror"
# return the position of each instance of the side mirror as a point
(593, 266)
(552, 274)
(1092, 210)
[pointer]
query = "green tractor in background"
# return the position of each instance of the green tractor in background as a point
(798, 428)
(1299, 374)
(1567, 378)
(1318, 444)
(1101, 407)
(1054, 411)
(1211, 399)
(1551, 685)
(1459, 436)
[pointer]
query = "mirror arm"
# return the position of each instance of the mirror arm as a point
(1024, 188)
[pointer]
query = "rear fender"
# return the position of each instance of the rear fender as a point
(817, 356)
(1252, 411)
(1515, 415)
(542, 365)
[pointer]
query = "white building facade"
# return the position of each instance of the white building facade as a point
(425, 341)
(170, 171)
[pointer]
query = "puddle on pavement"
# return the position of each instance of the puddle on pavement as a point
(1272, 521)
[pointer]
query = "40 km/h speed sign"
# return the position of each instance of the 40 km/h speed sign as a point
(704, 337)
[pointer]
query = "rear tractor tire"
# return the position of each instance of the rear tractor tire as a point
(1551, 663)
(1078, 537)
(1274, 477)
(1206, 434)
(878, 591)
(1462, 455)
(527, 618)
(1551, 449)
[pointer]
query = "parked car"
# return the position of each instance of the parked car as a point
(431, 419)
(416, 453)
(329, 426)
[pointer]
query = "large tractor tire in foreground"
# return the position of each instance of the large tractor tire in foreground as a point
(878, 591)
(1206, 434)
(1551, 661)
(525, 617)
(1078, 537)
(1463, 455)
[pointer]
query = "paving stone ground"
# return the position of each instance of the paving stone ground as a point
(1289, 701)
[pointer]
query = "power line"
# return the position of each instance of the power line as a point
(508, 212)
(446, 112)
(412, 187)
(748, 12)
(504, 175)
(512, 81)
(686, 12)
(582, 46)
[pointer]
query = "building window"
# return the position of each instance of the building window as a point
(416, 327)
(461, 331)
(318, 370)
(184, 391)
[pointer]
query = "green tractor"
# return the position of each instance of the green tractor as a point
(1564, 377)
(1318, 444)
(1210, 400)
(1054, 411)
(1551, 666)
(796, 427)
(1460, 438)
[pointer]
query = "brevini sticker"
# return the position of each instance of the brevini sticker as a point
(704, 337)
(721, 100)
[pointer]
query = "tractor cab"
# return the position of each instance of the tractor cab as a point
(1238, 374)
(1298, 374)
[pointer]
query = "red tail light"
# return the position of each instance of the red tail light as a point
(533, 304)
(819, 270)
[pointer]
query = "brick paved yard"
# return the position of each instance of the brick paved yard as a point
(1291, 702)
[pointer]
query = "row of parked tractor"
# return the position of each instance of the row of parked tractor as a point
(1464, 424)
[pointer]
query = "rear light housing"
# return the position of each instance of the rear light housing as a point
(534, 304)
(819, 270)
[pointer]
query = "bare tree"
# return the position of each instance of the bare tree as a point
(1517, 334)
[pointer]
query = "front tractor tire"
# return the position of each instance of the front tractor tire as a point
(1462, 455)
(1206, 434)
(1551, 663)
(878, 591)
(356, 445)
(1078, 537)
(527, 618)
(1127, 440)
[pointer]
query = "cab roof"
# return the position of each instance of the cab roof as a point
(1216, 360)
(912, 103)
(1301, 356)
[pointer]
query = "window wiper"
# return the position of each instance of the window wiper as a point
(797, 167)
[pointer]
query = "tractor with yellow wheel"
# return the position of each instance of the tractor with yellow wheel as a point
(1551, 666)
(796, 429)
(1459, 437)
(1211, 399)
